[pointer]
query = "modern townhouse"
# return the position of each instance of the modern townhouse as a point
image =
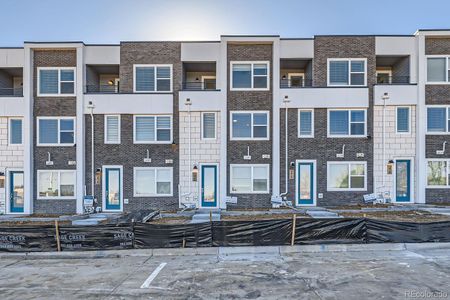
(237, 123)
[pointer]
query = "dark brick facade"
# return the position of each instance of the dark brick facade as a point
(324, 149)
(53, 106)
(437, 95)
(249, 100)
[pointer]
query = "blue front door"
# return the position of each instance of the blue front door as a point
(305, 184)
(402, 180)
(113, 179)
(16, 195)
(209, 185)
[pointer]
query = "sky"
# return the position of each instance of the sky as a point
(112, 21)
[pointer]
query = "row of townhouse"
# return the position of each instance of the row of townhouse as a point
(235, 123)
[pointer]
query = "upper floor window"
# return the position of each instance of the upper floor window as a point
(346, 123)
(438, 119)
(15, 131)
(249, 75)
(347, 72)
(247, 125)
(438, 69)
(208, 125)
(152, 129)
(56, 81)
(152, 78)
(112, 129)
(403, 122)
(55, 131)
(305, 123)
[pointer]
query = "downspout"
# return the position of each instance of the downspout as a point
(188, 103)
(91, 107)
(286, 158)
(383, 155)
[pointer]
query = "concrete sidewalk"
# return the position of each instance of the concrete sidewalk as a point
(226, 251)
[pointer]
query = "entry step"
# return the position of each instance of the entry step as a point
(204, 215)
(322, 214)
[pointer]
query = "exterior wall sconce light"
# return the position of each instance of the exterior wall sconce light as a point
(174, 146)
(2, 180)
(195, 173)
(98, 176)
(110, 82)
(390, 167)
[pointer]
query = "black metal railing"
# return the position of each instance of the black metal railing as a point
(295, 83)
(102, 89)
(199, 86)
(386, 79)
(11, 92)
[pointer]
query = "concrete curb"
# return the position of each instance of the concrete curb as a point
(227, 251)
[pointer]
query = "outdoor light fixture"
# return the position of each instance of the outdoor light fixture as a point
(110, 82)
(174, 146)
(98, 176)
(194, 173)
(390, 167)
(2, 180)
(284, 77)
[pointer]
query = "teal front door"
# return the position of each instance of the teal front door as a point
(402, 180)
(16, 196)
(209, 186)
(305, 184)
(113, 193)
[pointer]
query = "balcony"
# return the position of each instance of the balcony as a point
(199, 76)
(11, 82)
(102, 79)
(392, 69)
(295, 73)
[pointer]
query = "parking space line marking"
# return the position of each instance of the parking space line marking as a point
(152, 276)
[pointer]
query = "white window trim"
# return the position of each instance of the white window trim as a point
(252, 63)
(39, 94)
(349, 60)
(251, 112)
(10, 133)
(207, 77)
(349, 110)
(215, 126)
(388, 72)
(446, 173)
(251, 178)
(312, 124)
(155, 78)
(290, 75)
(409, 121)
(106, 129)
(156, 181)
(59, 184)
(59, 132)
(447, 68)
(447, 118)
(348, 163)
(156, 130)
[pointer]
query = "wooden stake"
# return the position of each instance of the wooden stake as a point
(294, 217)
(184, 243)
(58, 243)
(210, 216)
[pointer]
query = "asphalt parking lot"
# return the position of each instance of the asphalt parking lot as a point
(403, 274)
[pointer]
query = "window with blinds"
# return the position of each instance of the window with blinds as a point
(15, 131)
(306, 123)
(56, 131)
(208, 125)
(152, 78)
(56, 81)
(112, 129)
(437, 119)
(347, 72)
(152, 129)
(343, 123)
(403, 120)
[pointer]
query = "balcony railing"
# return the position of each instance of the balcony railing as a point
(102, 89)
(199, 86)
(11, 92)
(295, 83)
(386, 79)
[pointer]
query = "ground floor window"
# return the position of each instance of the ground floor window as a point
(150, 182)
(346, 176)
(54, 184)
(438, 173)
(248, 179)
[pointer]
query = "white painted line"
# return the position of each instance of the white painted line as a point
(152, 276)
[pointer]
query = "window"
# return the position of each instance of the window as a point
(15, 131)
(305, 123)
(56, 131)
(403, 125)
(249, 179)
(249, 75)
(346, 176)
(152, 78)
(56, 81)
(56, 184)
(438, 69)
(208, 125)
(112, 129)
(438, 119)
(342, 72)
(149, 182)
(152, 129)
(438, 173)
(345, 123)
(249, 125)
